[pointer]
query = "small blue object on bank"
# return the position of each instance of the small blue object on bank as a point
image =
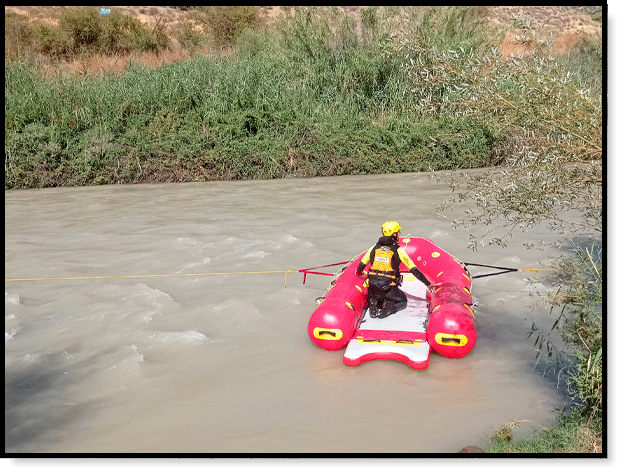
(104, 11)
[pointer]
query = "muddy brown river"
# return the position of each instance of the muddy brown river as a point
(158, 361)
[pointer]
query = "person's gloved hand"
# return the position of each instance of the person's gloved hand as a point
(360, 269)
(420, 276)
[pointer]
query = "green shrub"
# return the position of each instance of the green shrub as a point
(83, 28)
(370, 23)
(121, 33)
(188, 36)
(226, 23)
(51, 41)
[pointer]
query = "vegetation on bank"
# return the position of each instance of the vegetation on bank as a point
(310, 97)
(578, 298)
(303, 100)
(406, 90)
(573, 433)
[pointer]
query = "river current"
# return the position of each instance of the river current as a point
(158, 361)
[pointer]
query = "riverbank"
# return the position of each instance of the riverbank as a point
(573, 433)
(316, 94)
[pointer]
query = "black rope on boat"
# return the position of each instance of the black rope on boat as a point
(502, 270)
(494, 273)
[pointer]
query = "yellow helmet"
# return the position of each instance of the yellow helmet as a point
(390, 227)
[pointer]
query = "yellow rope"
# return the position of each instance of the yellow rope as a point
(534, 270)
(153, 275)
(285, 272)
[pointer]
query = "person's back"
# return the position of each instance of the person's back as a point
(384, 276)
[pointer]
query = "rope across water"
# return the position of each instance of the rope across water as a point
(309, 270)
(145, 276)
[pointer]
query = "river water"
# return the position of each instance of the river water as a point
(163, 362)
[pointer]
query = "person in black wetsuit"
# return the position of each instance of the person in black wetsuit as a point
(384, 277)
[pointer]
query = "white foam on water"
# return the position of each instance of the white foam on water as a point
(144, 302)
(12, 298)
(289, 239)
(32, 358)
(437, 233)
(202, 263)
(255, 255)
(10, 335)
(186, 243)
(11, 316)
(127, 357)
(174, 337)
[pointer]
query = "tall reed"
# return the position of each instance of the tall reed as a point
(300, 102)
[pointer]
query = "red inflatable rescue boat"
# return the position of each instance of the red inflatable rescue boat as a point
(450, 321)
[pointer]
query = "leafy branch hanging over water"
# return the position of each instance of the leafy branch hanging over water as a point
(550, 149)
(579, 298)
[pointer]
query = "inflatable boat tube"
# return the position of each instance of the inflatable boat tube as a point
(450, 329)
(333, 322)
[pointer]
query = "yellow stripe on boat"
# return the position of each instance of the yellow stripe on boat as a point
(327, 333)
(449, 339)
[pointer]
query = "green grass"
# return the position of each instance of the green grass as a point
(573, 433)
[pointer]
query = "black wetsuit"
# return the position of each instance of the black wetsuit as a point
(384, 278)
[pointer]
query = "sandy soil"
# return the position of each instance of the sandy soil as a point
(561, 26)
(552, 20)
(523, 28)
